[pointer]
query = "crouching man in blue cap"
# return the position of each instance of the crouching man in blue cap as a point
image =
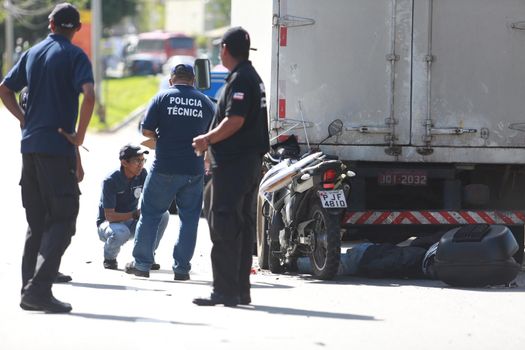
(118, 212)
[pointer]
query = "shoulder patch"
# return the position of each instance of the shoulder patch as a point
(238, 96)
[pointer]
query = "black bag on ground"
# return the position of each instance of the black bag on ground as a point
(477, 256)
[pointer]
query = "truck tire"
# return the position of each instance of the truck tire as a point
(326, 247)
(263, 224)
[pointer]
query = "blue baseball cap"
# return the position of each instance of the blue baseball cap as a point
(183, 69)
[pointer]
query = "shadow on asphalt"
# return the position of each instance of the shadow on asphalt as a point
(264, 285)
(309, 313)
(111, 286)
(191, 281)
(131, 319)
(518, 285)
(209, 283)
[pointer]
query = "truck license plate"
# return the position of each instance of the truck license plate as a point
(402, 177)
(332, 199)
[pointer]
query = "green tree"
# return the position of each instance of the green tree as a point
(151, 15)
(114, 10)
(222, 12)
(33, 14)
(30, 17)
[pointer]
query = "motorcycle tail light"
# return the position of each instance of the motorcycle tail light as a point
(329, 178)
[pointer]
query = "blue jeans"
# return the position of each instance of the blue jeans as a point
(159, 192)
(115, 234)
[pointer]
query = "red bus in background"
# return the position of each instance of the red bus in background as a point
(154, 48)
(167, 44)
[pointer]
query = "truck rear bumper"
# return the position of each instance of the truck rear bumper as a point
(423, 222)
(438, 217)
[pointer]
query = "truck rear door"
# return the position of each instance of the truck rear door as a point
(347, 61)
(468, 76)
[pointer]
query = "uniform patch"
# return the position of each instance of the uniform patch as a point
(238, 96)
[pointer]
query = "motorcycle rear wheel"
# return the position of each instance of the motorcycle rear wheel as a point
(326, 245)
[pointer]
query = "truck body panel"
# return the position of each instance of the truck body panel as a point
(413, 81)
(474, 77)
(430, 94)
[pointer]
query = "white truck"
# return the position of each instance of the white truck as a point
(431, 93)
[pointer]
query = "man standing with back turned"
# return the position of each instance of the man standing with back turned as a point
(174, 117)
(55, 72)
(239, 140)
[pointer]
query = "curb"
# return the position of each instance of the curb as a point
(137, 113)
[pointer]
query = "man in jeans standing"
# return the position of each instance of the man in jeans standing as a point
(174, 117)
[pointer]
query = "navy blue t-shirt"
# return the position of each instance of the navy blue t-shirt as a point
(120, 193)
(54, 71)
(177, 115)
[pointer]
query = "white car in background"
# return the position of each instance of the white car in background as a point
(218, 74)
(170, 63)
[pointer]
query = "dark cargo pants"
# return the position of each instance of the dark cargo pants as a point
(50, 196)
(232, 223)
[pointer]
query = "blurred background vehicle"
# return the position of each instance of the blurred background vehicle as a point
(218, 75)
(175, 60)
(153, 49)
(144, 64)
(116, 49)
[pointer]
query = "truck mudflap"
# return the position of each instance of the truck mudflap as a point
(437, 217)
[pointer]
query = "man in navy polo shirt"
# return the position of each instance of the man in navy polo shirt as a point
(174, 117)
(118, 211)
(55, 72)
(240, 139)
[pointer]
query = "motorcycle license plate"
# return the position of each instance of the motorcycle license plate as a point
(332, 199)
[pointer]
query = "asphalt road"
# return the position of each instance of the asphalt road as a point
(113, 310)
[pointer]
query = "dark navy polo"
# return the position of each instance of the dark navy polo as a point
(54, 71)
(243, 95)
(120, 193)
(178, 114)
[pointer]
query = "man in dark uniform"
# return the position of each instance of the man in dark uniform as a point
(239, 139)
(118, 211)
(22, 102)
(55, 72)
(174, 117)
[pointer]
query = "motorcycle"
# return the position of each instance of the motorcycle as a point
(300, 207)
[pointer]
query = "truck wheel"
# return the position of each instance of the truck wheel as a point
(326, 243)
(263, 223)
